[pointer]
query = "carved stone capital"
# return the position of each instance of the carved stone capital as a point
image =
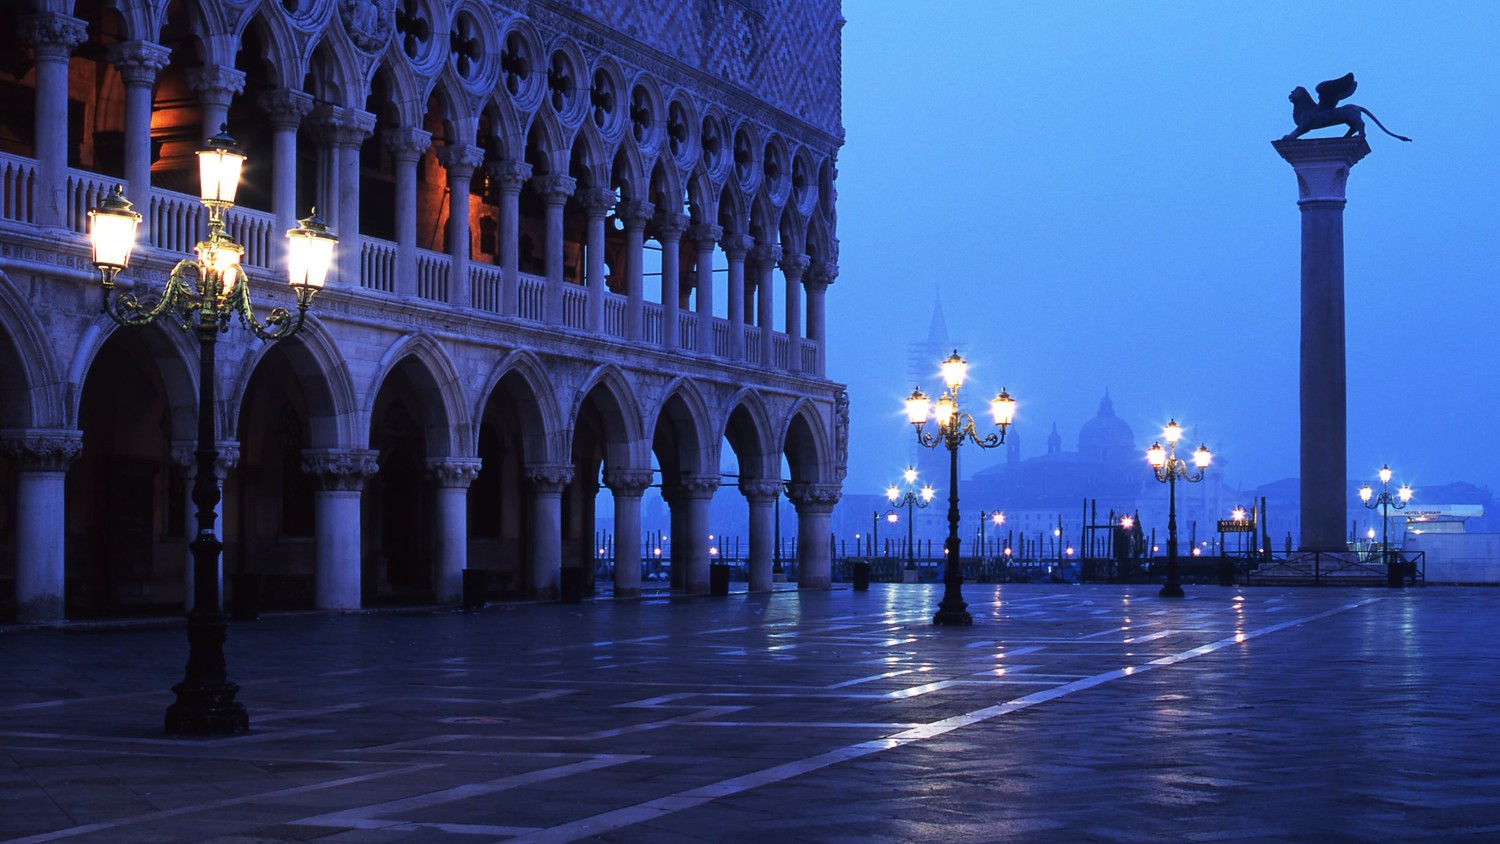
(216, 84)
(669, 227)
(549, 480)
(341, 469)
(42, 449)
(555, 189)
(52, 35)
(794, 266)
(737, 245)
(705, 234)
(460, 160)
(453, 472)
(346, 127)
(763, 255)
(407, 143)
(814, 498)
(821, 274)
(138, 61)
(758, 491)
(510, 175)
(627, 483)
(697, 486)
(1322, 166)
(284, 107)
(595, 202)
(634, 213)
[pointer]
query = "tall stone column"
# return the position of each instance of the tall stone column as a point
(284, 110)
(52, 38)
(341, 474)
(407, 146)
(736, 247)
(139, 63)
(460, 160)
(216, 86)
(704, 237)
(669, 229)
(343, 131)
(816, 282)
(546, 529)
(185, 456)
(634, 213)
(1322, 166)
(451, 476)
(793, 268)
(627, 486)
(690, 545)
(764, 257)
(555, 191)
(596, 203)
(814, 503)
(42, 458)
(509, 176)
(761, 496)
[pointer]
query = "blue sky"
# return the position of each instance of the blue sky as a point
(1092, 188)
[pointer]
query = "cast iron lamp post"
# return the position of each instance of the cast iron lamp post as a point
(1385, 501)
(1168, 467)
(954, 427)
(202, 295)
(909, 498)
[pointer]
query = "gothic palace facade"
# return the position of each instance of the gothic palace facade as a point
(582, 244)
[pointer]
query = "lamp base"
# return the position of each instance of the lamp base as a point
(207, 709)
(953, 617)
(1171, 590)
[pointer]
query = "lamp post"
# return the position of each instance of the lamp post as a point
(1168, 467)
(202, 295)
(954, 427)
(909, 498)
(1385, 501)
(891, 518)
(996, 518)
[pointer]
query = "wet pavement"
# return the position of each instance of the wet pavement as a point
(1066, 713)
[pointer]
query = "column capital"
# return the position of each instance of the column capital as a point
(460, 160)
(341, 469)
(510, 174)
(794, 266)
(814, 498)
(138, 61)
(634, 213)
(736, 245)
(1322, 165)
(702, 233)
(697, 486)
(628, 483)
(42, 449)
(759, 491)
(453, 472)
(406, 143)
(216, 84)
(555, 189)
(53, 35)
(821, 273)
(284, 107)
(343, 126)
(549, 480)
(671, 226)
(763, 255)
(596, 202)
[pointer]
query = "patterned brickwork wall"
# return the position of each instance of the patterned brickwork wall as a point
(785, 52)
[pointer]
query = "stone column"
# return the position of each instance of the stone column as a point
(555, 191)
(284, 110)
(690, 545)
(634, 213)
(184, 454)
(792, 268)
(216, 87)
(1322, 167)
(406, 145)
(344, 130)
(42, 458)
(764, 258)
(761, 495)
(52, 38)
(460, 160)
(509, 176)
(596, 203)
(736, 246)
(669, 229)
(814, 503)
(451, 476)
(546, 529)
(341, 475)
(704, 237)
(816, 282)
(139, 63)
(627, 486)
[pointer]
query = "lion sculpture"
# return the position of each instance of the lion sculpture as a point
(1309, 115)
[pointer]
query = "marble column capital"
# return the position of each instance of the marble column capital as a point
(509, 174)
(628, 483)
(460, 160)
(341, 469)
(53, 35)
(814, 498)
(42, 449)
(139, 62)
(595, 202)
(705, 234)
(737, 245)
(763, 255)
(697, 486)
(554, 189)
(549, 480)
(821, 274)
(346, 127)
(1322, 166)
(406, 143)
(216, 84)
(794, 266)
(284, 107)
(670, 226)
(759, 491)
(634, 213)
(453, 472)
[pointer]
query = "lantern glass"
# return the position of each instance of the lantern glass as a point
(1003, 407)
(892, 493)
(917, 407)
(219, 165)
(955, 370)
(1385, 474)
(927, 494)
(910, 475)
(112, 230)
(945, 410)
(310, 253)
(1202, 457)
(1365, 493)
(1405, 493)
(1156, 456)
(1172, 433)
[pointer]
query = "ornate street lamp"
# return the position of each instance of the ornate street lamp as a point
(909, 498)
(954, 427)
(1168, 467)
(202, 295)
(1385, 501)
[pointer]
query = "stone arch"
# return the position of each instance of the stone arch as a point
(499, 131)
(609, 104)
(748, 430)
(439, 386)
(608, 385)
(543, 426)
(628, 173)
(588, 158)
(171, 349)
(30, 390)
(685, 410)
(334, 420)
(805, 444)
(284, 56)
(547, 149)
(792, 233)
(734, 216)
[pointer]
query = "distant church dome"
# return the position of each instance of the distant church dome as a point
(1106, 436)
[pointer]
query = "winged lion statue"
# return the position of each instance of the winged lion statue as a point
(1309, 115)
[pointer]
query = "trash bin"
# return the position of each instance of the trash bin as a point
(861, 577)
(244, 601)
(476, 584)
(718, 579)
(571, 586)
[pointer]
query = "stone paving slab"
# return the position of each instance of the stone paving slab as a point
(1066, 713)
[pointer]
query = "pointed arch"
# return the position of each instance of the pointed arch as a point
(536, 405)
(441, 389)
(620, 407)
(804, 441)
(748, 429)
(323, 373)
(685, 410)
(29, 380)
